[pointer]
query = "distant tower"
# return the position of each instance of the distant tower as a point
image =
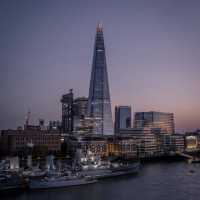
(122, 118)
(67, 112)
(99, 104)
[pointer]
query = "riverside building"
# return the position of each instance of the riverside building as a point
(122, 146)
(15, 141)
(158, 122)
(147, 145)
(93, 143)
(192, 142)
(103, 146)
(171, 144)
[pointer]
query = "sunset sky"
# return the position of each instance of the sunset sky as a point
(152, 49)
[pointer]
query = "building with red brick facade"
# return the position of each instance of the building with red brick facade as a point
(12, 141)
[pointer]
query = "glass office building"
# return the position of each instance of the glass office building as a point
(158, 122)
(99, 104)
(122, 118)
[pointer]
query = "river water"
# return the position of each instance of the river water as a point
(157, 181)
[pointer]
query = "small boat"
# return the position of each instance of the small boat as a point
(59, 182)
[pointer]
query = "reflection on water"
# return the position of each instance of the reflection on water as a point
(162, 181)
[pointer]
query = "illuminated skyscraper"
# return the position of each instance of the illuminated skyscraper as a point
(99, 104)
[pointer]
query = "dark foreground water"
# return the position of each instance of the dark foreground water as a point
(162, 181)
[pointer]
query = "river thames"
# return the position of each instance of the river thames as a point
(162, 181)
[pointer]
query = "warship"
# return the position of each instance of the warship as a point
(92, 166)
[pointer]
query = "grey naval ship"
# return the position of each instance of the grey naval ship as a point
(92, 166)
(59, 182)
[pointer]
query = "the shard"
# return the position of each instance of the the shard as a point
(99, 104)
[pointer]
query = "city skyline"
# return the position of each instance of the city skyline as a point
(152, 55)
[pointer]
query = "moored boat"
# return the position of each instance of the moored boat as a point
(100, 173)
(92, 166)
(59, 182)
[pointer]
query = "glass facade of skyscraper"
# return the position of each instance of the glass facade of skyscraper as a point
(99, 104)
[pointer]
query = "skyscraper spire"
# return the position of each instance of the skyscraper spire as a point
(99, 27)
(99, 104)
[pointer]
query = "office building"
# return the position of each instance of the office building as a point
(74, 113)
(170, 144)
(122, 146)
(96, 144)
(99, 103)
(122, 118)
(85, 126)
(80, 112)
(158, 122)
(80, 107)
(103, 146)
(67, 112)
(147, 145)
(178, 143)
